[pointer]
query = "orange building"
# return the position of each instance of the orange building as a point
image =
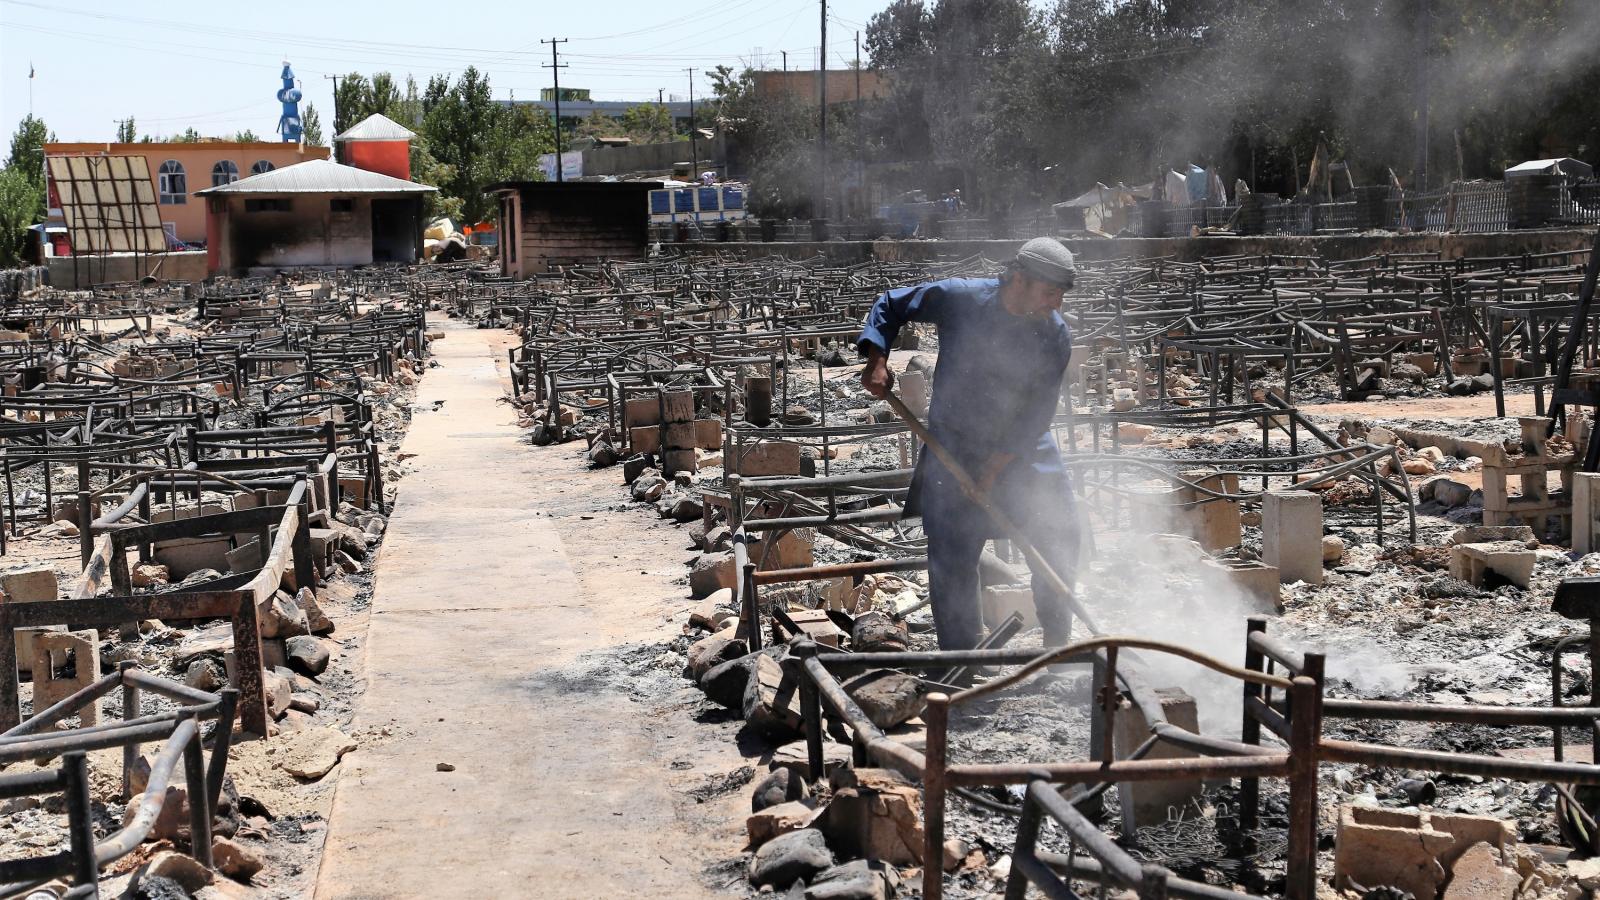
(180, 169)
(377, 144)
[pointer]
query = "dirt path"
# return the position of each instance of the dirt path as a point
(1478, 406)
(488, 654)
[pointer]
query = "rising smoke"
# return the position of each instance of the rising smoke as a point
(1023, 102)
(1149, 579)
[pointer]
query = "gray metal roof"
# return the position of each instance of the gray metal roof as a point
(319, 176)
(376, 127)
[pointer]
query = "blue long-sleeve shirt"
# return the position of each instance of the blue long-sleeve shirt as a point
(998, 380)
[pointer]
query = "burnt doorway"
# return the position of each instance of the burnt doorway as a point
(394, 230)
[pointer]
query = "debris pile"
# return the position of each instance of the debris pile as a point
(197, 479)
(1219, 422)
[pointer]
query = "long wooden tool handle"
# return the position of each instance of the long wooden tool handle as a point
(1036, 560)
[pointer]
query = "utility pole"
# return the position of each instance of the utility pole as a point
(785, 61)
(694, 139)
(555, 65)
(821, 211)
(336, 128)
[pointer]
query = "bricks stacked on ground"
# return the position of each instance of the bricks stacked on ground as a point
(666, 419)
(1534, 503)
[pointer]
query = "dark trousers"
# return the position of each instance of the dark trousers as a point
(1040, 504)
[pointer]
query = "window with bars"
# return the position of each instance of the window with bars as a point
(171, 184)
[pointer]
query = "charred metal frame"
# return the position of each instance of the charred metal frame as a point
(178, 730)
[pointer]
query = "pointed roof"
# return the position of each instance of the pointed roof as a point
(376, 127)
(319, 176)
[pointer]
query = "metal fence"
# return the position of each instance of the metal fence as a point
(1183, 220)
(1482, 206)
(1578, 204)
(1471, 207)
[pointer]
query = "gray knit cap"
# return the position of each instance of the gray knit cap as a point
(1047, 260)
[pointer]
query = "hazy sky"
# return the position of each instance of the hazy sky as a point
(97, 61)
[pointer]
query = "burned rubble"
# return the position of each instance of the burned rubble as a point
(1329, 631)
(1298, 463)
(197, 477)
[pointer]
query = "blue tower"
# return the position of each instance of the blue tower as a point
(289, 122)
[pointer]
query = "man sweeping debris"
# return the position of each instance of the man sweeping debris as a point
(1003, 349)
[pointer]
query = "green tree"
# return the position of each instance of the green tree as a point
(126, 133)
(647, 123)
(189, 136)
(350, 101)
(598, 125)
(27, 148)
(246, 137)
(311, 126)
(382, 96)
(777, 137)
(482, 141)
(21, 206)
(427, 170)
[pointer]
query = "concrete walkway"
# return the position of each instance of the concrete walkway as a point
(476, 604)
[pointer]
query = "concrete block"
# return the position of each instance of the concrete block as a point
(246, 558)
(645, 438)
(758, 400)
(674, 461)
(641, 411)
(679, 406)
(681, 436)
(1481, 534)
(708, 434)
(48, 689)
(1214, 523)
(1291, 535)
(185, 556)
(1410, 850)
(354, 490)
(768, 458)
(323, 542)
(1148, 802)
(1585, 511)
(816, 624)
(794, 550)
(913, 387)
(27, 641)
(190, 512)
(1000, 602)
(1427, 362)
(1510, 560)
(30, 585)
(1251, 579)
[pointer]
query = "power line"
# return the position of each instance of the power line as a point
(676, 22)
